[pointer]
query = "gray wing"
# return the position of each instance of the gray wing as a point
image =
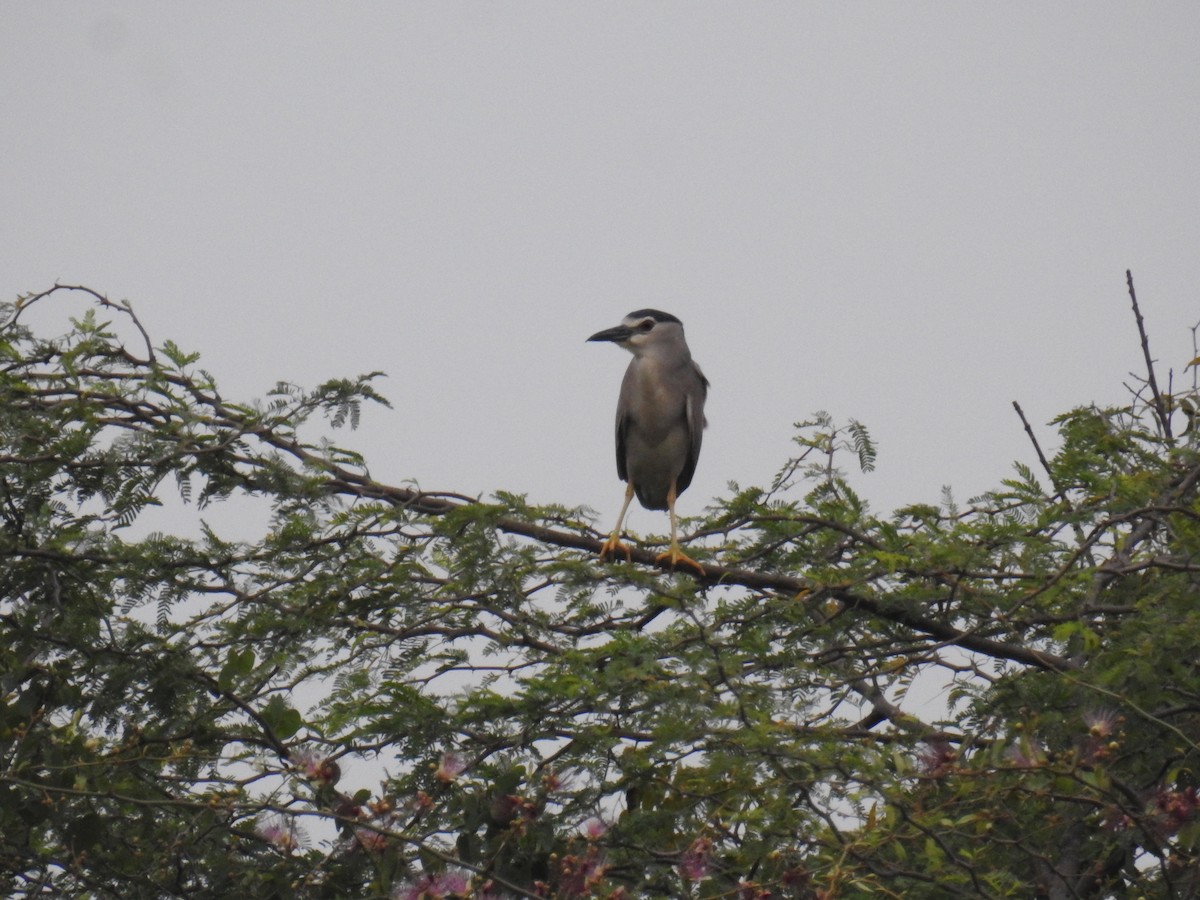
(622, 430)
(697, 393)
(623, 420)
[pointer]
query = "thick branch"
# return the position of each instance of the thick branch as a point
(343, 480)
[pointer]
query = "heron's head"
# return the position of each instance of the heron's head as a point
(645, 330)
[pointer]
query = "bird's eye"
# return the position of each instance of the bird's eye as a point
(646, 325)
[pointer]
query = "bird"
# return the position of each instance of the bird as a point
(660, 422)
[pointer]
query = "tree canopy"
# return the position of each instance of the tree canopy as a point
(998, 698)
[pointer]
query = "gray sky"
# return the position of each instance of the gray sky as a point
(911, 214)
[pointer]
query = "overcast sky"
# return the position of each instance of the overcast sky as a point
(906, 213)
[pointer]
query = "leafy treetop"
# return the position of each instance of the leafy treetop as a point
(995, 700)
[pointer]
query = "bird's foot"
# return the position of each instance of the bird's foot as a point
(674, 556)
(613, 546)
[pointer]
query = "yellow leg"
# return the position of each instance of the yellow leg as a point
(613, 545)
(673, 555)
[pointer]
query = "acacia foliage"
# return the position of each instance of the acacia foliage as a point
(997, 700)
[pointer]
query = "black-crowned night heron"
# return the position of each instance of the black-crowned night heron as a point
(660, 420)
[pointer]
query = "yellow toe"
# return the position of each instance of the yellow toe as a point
(674, 556)
(613, 546)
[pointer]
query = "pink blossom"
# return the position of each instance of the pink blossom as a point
(578, 875)
(594, 828)
(347, 808)
(512, 809)
(1101, 738)
(450, 767)
(421, 802)
(936, 757)
(279, 832)
(693, 862)
(1177, 807)
(1101, 723)
(370, 839)
(435, 887)
(315, 767)
(555, 782)
(307, 762)
(451, 884)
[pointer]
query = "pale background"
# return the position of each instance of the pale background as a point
(911, 214)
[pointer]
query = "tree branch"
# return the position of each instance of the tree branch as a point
(1161, 409)
(344, 480)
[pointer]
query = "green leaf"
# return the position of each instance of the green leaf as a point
(282, 719)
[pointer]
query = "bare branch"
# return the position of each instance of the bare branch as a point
(1161, 405)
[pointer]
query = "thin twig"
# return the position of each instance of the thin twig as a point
(124, 306)
(1160, 403)
(1040, 455)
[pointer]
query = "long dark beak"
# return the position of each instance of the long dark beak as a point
(617, 335)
